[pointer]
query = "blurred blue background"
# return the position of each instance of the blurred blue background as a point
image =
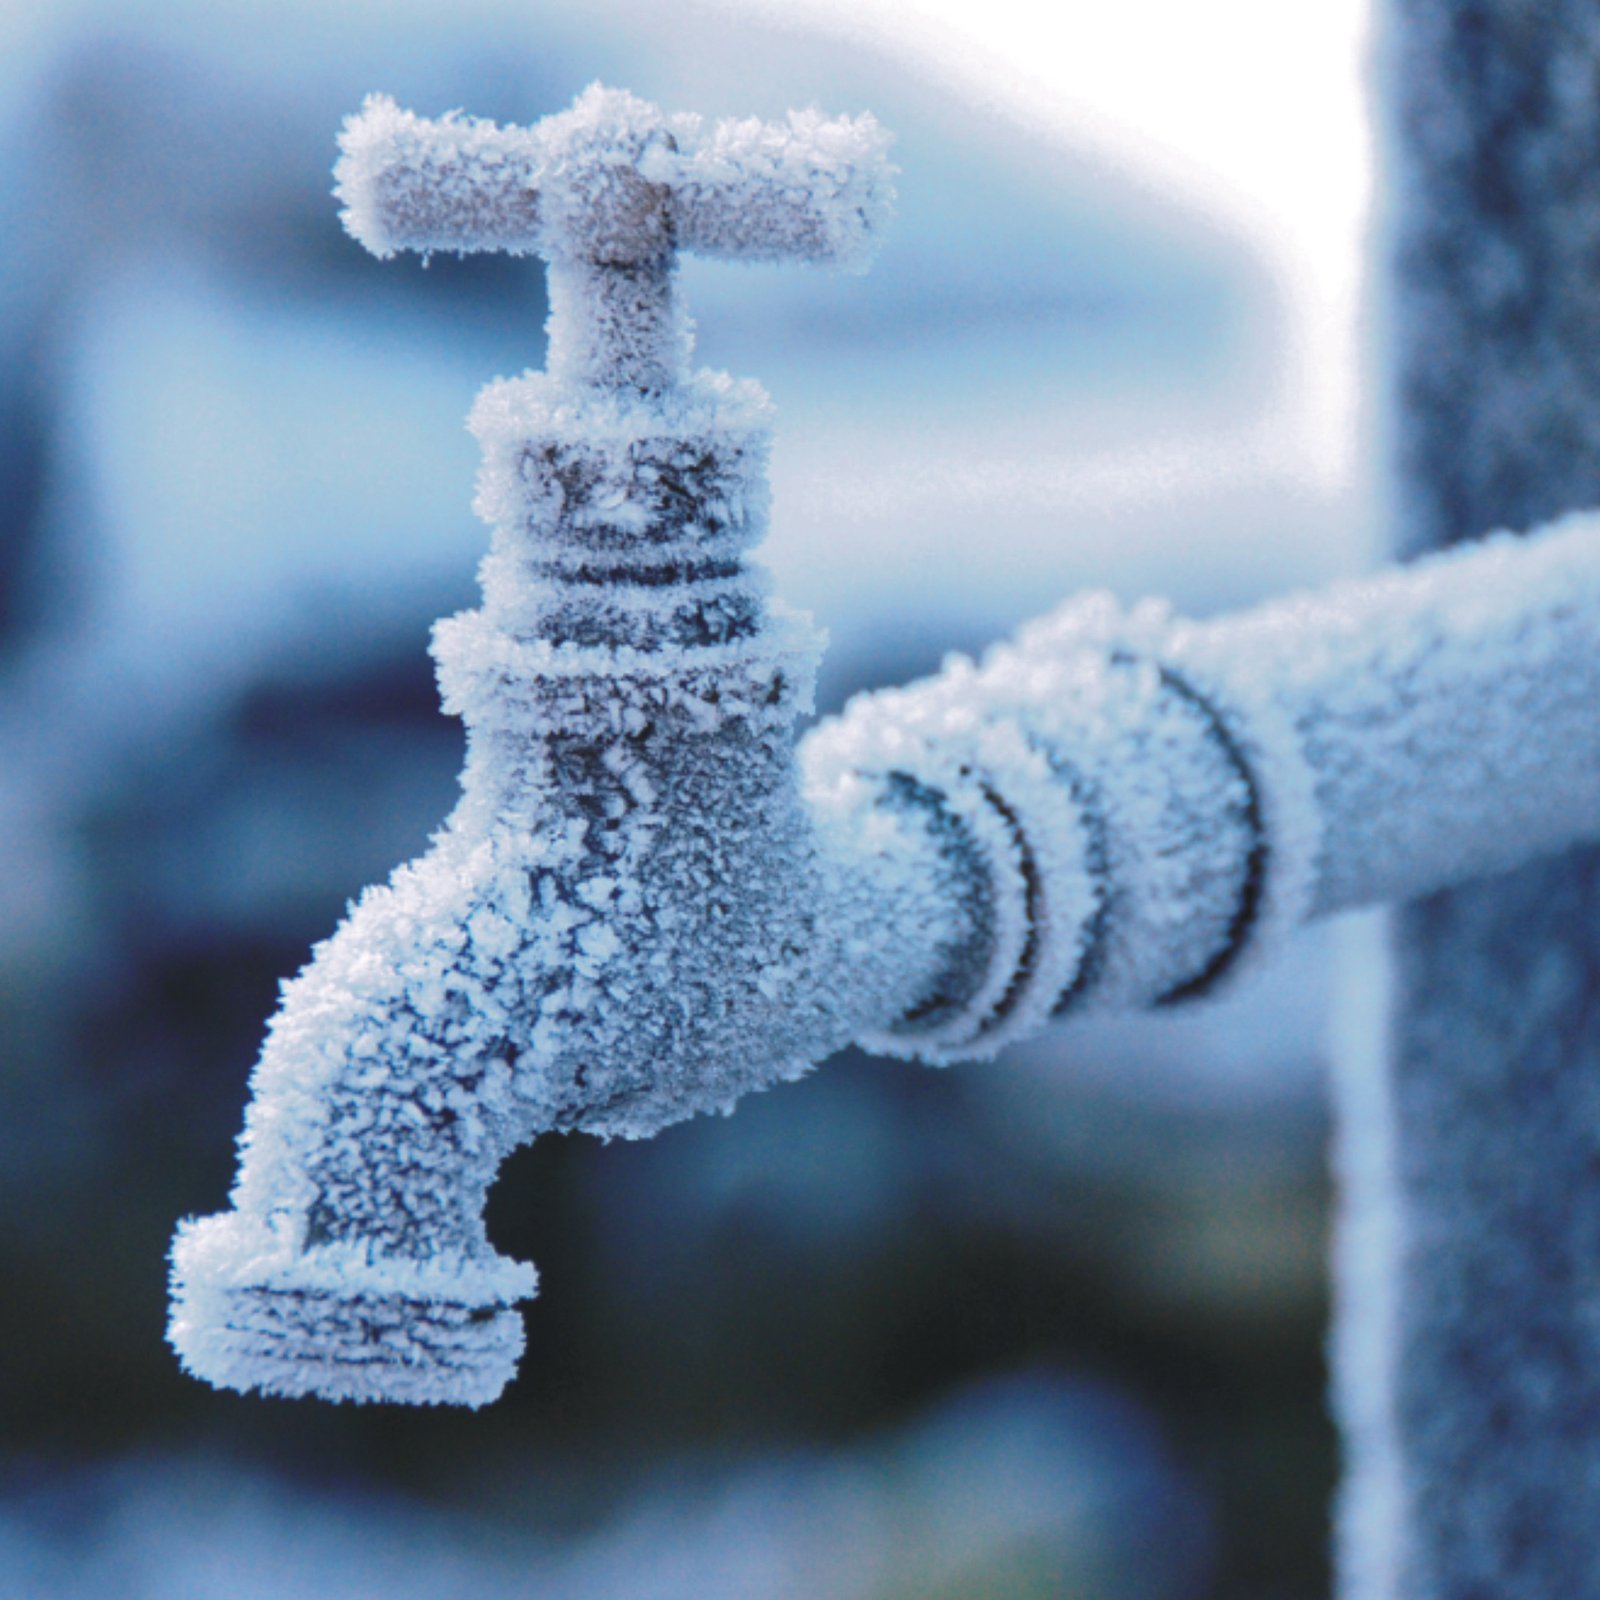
(1047, 1327)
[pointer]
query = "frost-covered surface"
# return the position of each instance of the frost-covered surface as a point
(1111, 826)
(408, 183)
(615, 929)
(1446, 709)
(1492, 1077)
(1145, 798)
(608, 193)
(623, 921)
(811, 188)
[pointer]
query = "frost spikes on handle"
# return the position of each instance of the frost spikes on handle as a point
(608, 193)
(813, 188)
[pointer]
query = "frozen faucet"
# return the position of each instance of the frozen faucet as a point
(649, 902)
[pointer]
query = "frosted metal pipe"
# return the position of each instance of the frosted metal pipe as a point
(1448, 710)
(1155, 800)
(1466, 1341)
(648, 903)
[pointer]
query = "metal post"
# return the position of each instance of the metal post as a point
(1468, 1349)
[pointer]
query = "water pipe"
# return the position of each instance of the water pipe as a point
(649, 901)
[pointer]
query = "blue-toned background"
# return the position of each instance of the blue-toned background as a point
(1046, 1327)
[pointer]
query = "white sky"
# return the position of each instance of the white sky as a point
(1256, 108)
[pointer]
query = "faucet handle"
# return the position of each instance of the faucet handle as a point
(609, 192)
(615, 180)
(812, 188)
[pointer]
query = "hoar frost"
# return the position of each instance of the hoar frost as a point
(648, 902)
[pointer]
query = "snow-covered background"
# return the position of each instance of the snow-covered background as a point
(1050, 1326)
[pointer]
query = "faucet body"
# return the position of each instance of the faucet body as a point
(625, 921)
(630, 917)
(648, 902)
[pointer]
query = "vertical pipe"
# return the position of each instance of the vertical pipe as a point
(1472, 1143)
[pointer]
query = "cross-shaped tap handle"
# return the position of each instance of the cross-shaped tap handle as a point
(608, 193)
